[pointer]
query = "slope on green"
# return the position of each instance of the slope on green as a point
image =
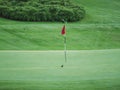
(40, 70)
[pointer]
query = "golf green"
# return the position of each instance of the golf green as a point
(41, 70)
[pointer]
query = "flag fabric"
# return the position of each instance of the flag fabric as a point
(63, 30)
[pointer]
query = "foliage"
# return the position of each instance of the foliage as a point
(41, 10)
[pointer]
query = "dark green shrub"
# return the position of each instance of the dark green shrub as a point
(20, 0)
(66, 14)
(41, 10)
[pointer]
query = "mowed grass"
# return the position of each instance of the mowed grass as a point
(42, 37)
(100, 29)
(101, 11)
(40, 70)
(84, 70)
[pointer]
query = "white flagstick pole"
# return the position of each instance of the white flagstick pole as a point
(65, 48)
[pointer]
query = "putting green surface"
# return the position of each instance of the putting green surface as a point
(41, 70)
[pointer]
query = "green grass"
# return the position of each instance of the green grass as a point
(47, 36)
(88, 69)
(99, 30)
(40, 70)
(101, 11)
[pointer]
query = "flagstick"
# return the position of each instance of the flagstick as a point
(65, 48)
(65, 45)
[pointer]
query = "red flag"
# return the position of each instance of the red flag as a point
(63, 30)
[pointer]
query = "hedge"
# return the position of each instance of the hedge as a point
(41, 10)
